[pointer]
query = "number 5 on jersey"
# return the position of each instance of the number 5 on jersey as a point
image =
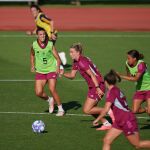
(44, 61)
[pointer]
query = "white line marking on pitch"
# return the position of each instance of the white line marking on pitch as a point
(34, 113)
(30, 80)
(83, 36)
(67, 114)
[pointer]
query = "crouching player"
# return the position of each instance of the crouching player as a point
(125, 120)
(45, 62)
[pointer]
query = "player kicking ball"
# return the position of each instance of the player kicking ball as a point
(125, 120)
(45, 62)
(94, 80)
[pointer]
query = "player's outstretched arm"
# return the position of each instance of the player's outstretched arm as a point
(131, 78)
(32, 60)
(31, 32)
(69, 75)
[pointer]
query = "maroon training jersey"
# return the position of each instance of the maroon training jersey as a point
(84, 64)
(119, 106)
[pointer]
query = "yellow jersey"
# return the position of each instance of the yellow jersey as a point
(43, 22)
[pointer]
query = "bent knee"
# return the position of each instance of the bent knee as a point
(39, 93)
(86, 111)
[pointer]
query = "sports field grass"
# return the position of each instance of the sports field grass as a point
(18, 102)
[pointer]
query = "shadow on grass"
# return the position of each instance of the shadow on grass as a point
(71, 105)
(75, 105)
(44, 132)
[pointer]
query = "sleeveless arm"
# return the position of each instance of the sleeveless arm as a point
(32, 58)
(55, 53)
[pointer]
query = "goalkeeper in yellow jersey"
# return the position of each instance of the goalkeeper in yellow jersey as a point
(42, 21)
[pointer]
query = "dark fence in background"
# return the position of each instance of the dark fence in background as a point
(91, 1)
(75, 2)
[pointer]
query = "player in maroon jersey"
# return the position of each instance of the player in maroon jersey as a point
(94, 80)
(125, 120)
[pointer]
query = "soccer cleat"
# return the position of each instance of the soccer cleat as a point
(60, 113)
(103, 128)
(51, 105)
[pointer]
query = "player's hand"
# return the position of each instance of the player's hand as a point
(29, 32)
(58, 70)
(53, 37)
(100, 92)
(33, 69)
(61, 71)
(95, 123)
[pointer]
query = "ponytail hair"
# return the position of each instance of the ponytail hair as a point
(112, 77)
(78, 47)
(135, 54)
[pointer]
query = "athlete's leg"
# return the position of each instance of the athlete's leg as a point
(90, 107)
(134, 139)
(52, 88)
(148, 106)
(136, 106)
(39, 89)
(110, 136)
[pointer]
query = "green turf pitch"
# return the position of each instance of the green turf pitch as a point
(72, 132)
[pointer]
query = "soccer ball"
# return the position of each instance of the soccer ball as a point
(38, 126)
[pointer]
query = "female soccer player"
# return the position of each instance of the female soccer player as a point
(137, 72)
(93, 78)
(125, 120)
(42, 21)
(45, 62)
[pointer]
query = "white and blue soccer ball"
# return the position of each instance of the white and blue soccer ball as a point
(38, 126)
